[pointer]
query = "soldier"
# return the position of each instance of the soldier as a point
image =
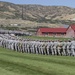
(1, 41)
(52, 44)
(59, 48)
(73, 47)
(68, 47)
(55, 47)
(48, 47)
(44, 48)
(28, 45)
(35, 47)
(64, 44)
(25, 48)
(39, 47)
(23, 45)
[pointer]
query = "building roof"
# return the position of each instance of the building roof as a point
(53, 30)
(73, 26)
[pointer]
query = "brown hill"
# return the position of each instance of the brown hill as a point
(35, 12)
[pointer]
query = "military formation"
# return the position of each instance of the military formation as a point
(62, 48)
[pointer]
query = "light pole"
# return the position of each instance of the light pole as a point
(22, 13)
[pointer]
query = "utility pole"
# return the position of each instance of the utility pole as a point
(22, 13)
(25, 12)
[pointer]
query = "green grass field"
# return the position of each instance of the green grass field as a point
(15, 63)
(45, 38)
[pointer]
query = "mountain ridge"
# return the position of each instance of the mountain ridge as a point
(34, 11)
(37, 13)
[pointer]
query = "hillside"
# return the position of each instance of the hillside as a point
(35, 13)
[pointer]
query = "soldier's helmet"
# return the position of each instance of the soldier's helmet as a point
(69, 40)
(52, 40)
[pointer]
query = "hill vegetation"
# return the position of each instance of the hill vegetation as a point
(37, 13)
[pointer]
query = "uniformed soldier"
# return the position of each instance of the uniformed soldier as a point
(68, 47)
(58, 48)
(73, 47)
(64, 44)
(35, 47)
(52, 44)
(55, 47)
(48, 47)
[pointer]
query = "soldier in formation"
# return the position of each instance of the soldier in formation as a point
(65, 48)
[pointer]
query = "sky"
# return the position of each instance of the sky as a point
(69, 3)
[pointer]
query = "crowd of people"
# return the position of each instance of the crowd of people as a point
(65, 48)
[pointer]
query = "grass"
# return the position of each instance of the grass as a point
(45, 38)
(15, 63)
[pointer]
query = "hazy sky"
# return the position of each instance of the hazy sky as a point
(70, 3)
